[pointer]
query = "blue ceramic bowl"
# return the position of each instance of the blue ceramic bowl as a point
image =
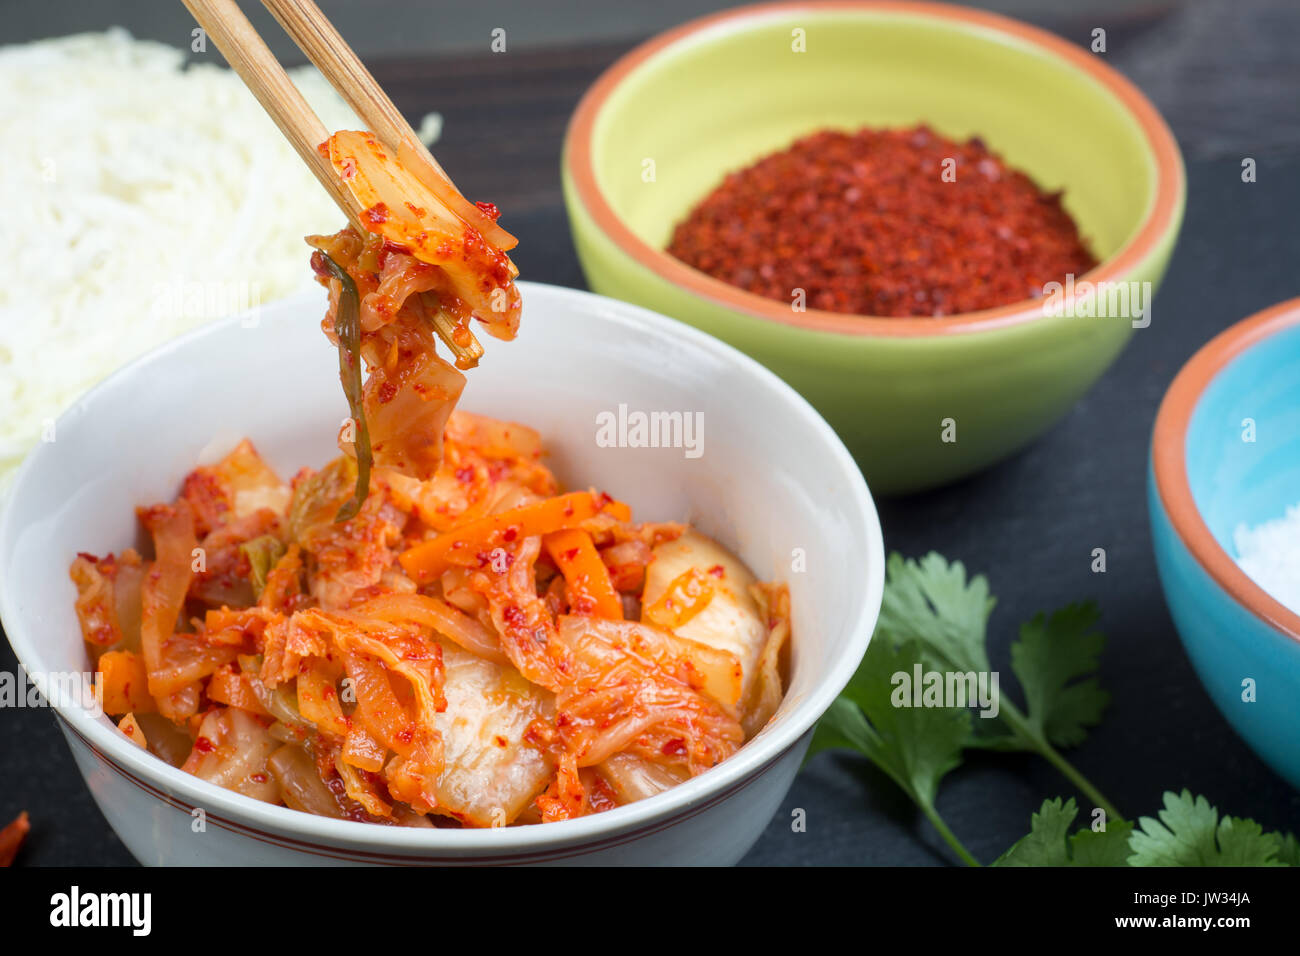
(1226, 451)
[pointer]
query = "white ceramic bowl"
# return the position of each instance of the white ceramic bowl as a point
(774, 483)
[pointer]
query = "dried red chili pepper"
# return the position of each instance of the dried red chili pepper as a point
(866, 223)
(11, 838)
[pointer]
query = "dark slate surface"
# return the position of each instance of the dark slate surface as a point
(1030, 524)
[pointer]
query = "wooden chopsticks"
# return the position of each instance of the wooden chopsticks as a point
(317, 37)
(327, 49)
(257, 66)
(312, 31)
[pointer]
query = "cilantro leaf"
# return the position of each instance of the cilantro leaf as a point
(1191, 833)
(1049, 843)
(842, 727)
(1045, 845)
(934, 618)
(931, 601)
(1056, 662)
(1288, 849)
(1108, 847)
(995, 739)
(916, 746)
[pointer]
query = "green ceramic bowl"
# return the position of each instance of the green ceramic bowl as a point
(716, 94)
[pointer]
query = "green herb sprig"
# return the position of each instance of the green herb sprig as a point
(1189, 832)
(347, 328)
(934, 616)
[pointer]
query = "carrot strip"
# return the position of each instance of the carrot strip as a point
(471, 544)
(124, 684)
(590, 589)
(619, 510)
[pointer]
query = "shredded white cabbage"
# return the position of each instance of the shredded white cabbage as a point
(141, 199)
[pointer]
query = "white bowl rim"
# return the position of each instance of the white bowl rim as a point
(748, 761)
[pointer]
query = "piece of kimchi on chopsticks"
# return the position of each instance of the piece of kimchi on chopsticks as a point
(423, 266)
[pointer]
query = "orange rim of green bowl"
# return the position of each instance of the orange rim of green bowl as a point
(1169, 461)
(1159, 219)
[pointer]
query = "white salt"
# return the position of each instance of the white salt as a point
(1270, 554)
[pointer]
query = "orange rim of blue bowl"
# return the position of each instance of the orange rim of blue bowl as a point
(1169, 461)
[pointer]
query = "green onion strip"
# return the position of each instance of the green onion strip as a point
(347, 328)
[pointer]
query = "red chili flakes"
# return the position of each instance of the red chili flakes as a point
(258, 777)
(674, 747)
(514, 616)
(376, 214)
(204, 746)
(718, 571)
(510, 534)
(494, 558)
(489, 209)
(602, 796)
(865, 223)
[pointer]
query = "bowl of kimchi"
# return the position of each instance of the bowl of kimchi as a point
(706, 565)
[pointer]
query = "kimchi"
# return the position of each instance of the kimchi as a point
(427, 631)
(476, 648)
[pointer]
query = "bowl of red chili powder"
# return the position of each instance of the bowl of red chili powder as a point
(940, 225)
